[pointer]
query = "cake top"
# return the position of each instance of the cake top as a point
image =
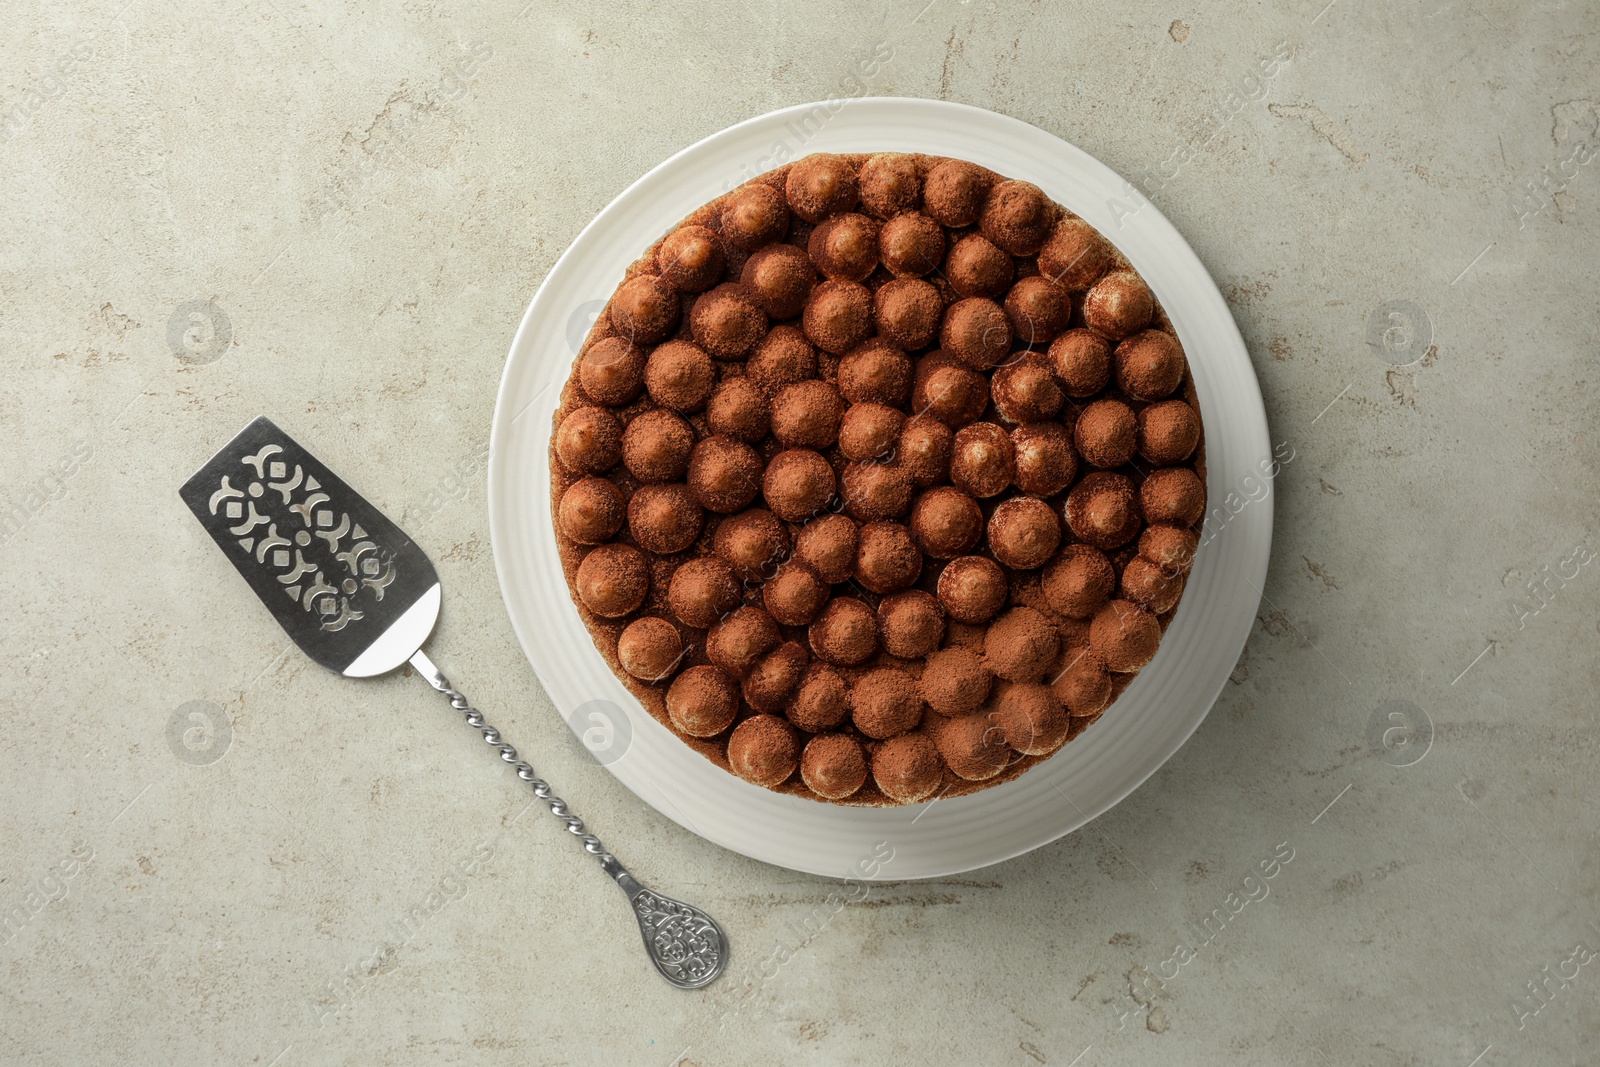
(877, 478)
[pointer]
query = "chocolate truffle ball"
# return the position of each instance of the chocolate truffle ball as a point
(910, 624)
(910, 245)
(955, 681)
(1152, 588)
(664, 518)
(975, 267)
(890, 184)
(649, 649)
(1037, 309)
(1021, 645)
(1081, 359)
(806, 415)
(680, 376)
(754, 216)
(845, 634)
(724, 474)
(656, 447)
(752, 542)
(1046, 462)
(589, 440)
(690, 259)
(1171, 548)
(1079, 581)
(782, 358)
(798, 484)
(822, 701)
(737, 642)
(1024, 532)
(763, 749)
(1118, 305)
(875, 372)
(976, 332)
(644, 309)
(702, 591)
(1017, 217)
(1173, 495)
(870, 431)
(611, 371)
(702, 701)
(738, 408)
(1124, 635)
(1106, 433)
(591, 511)
(833, 766)
(1031, 718)
(1169, 432)
(769, 683)
(828, 546)
(946, 522)
(1084, 687)
(983, 461)
(1102, 510)
(953, 192)
(907, 768)
(726, 322)
(972, 589)
(924, 450)
(821, 185)
(948, 391)
(1074, 254)
(1149, 365)
(613, 580)
(887, 559)
(972, 747)
(795, 594)
(778, 279)
(875, 491)
(845, 247)
(907, 313)
(1025, 391)
(885, 703)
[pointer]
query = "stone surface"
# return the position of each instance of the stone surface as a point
(335, 214)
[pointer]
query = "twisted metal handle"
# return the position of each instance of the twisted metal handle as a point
(686, 945)
(541, 788)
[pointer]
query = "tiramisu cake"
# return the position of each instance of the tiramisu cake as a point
(879, 478)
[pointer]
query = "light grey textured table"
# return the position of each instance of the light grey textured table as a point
(335, 214)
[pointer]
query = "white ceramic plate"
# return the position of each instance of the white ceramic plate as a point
(1142, 729)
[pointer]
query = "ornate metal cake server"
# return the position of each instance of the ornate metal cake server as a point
(359, 597)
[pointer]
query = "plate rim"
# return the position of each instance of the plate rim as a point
(1256, 519)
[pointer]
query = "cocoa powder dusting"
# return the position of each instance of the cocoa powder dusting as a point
(878, 478)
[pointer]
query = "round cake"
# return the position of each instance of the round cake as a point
(878, 478)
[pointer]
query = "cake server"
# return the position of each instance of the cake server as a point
(359, 597)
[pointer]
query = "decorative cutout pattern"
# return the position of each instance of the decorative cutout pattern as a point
(365, 563)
